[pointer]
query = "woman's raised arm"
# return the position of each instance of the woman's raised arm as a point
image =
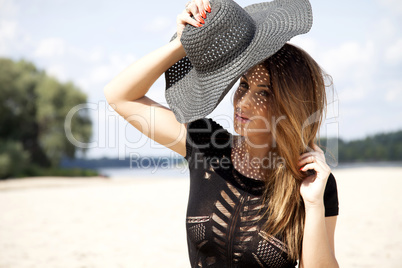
(134, 82)
(126, 94)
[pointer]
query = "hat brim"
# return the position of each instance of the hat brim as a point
(275, 26)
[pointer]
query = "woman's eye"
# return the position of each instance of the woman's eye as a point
(243, 85)
(264, 93)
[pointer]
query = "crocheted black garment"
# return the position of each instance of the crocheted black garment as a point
(224, 212)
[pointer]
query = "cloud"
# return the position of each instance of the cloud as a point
(89, 68)
(158, 24)
(93, 55)
(50, 48)
(8, 32)
(393, 54)
(394, 92)
(306, 43)
(385, 29)
(57, 70)
(392, 5)
(8, 9)
(165, 27)
(348, 55)
(99, 74)
(352, 65)
(96, 54)
(353, 93)
(8, 29)
(8, 25)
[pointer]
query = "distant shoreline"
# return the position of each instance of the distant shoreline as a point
(368, 164)
(183, 172)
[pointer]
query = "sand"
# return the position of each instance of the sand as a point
(98, 222)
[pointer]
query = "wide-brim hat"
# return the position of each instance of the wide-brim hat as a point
(232, 40)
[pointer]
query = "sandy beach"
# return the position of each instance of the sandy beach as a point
(98, 222)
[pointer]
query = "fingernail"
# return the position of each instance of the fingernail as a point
(201, 20)
(209, 9)
(199, 25)
(300, 169)
(203, 14)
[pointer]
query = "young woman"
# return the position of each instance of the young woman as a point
(265, 197)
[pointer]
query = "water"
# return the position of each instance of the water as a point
(182, 172)
(368, 164)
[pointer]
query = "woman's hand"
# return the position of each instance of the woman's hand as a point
(195, 8)
(313, 186)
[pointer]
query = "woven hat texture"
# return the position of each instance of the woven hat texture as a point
(232, 40)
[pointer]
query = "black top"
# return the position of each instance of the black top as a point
(224, 207)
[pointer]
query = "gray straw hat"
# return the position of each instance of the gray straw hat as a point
(232, 40)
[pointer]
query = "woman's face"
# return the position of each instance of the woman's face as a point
(251, 101)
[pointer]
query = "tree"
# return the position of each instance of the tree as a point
(33, 107)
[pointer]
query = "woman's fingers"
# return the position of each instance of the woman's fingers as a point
(196, 8)
(208, 6)
(203, 7)
(316, 156)
(184, 18)
(309, 157)
(317, 148)
(309, 166)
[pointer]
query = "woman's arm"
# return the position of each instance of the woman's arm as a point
(126, 92)
(135, 81)
(318, 238)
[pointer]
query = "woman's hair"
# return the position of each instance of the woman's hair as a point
(298, 103)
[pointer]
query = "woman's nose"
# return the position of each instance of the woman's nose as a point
(245, 101)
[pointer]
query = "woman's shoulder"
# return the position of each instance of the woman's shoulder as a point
(204, 124)
(206, 129)
(207, 135)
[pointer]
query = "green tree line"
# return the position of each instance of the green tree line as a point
(379, 147)
(33, 108)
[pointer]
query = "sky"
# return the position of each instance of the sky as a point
(88, 42)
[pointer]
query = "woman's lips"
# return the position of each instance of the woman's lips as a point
(242, 119)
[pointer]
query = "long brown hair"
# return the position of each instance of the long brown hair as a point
(298, 101)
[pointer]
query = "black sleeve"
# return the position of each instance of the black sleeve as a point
(204, 135)
(189, 148)
(198, 132)
(331, 202)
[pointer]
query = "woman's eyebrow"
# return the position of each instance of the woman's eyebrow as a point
(260, 85)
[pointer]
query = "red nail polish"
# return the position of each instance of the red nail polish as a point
(203, 14)
(300, 169)
(199, 24)
(209, 9)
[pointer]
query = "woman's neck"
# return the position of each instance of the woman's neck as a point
(249, 155)
(254, 147)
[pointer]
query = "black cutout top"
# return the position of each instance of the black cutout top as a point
(224, 213)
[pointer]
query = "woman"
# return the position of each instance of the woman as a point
(265, 197)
